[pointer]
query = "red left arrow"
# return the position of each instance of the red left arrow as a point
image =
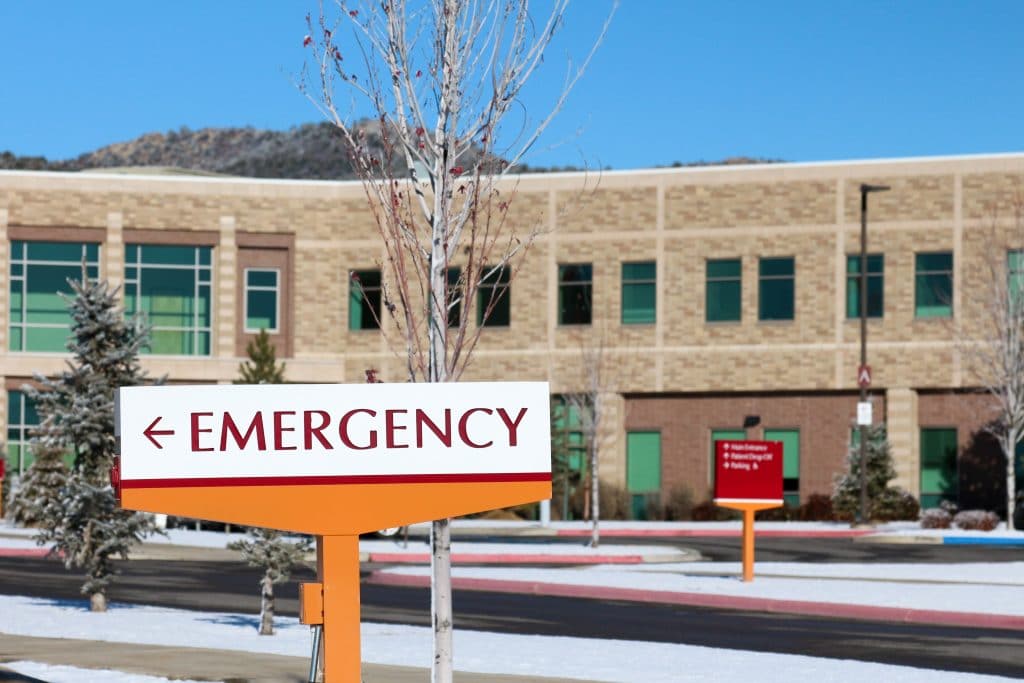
(149, 432)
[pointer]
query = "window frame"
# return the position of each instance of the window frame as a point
(494, 290)
(567, 287)
(636, 282)
(763, 280)
(853, 280)
(355, 280)
(198, 270)
(954, 494)
(919, 273)
(722, 280)
(22, 427)
(276, 289)
(24, 263)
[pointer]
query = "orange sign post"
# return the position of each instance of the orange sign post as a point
(334, 461)
(748, 478)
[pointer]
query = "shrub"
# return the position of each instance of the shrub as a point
(895, 504)
(976, 520)
(614, 501)
(817, 508)
(936, 518)
(679, 505)
(709, 512)
(783, 513)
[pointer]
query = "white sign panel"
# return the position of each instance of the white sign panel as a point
(864, 413)
(328, 432)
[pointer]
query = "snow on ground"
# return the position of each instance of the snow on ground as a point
(20, 543)
(997, 573)
(483, 652)
(1003, 594)
(418, 547)
(73, 674)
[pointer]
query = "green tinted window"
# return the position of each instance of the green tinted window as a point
(494, 298)
(876, 286)
(721, 435)
(575, 293)
(454, 296)
(261, 299)
(775, 289)
(933, 285)
(639, 293)
(643, 470)
(39, 284)
(790, 439)
(364, 299)
(171, 287)
(21, 417)
(723, 290)
(938, 466)
(1015, 276)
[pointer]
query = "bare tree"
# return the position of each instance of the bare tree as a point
(588, 404)
(992, 346)
(442, 79)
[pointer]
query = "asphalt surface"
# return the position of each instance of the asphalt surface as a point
(226, 586)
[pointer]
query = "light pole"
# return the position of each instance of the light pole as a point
(862, 302)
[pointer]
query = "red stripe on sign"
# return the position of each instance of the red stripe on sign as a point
(330, 480)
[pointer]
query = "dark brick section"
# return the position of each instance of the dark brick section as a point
(824, 420)
(980, 462)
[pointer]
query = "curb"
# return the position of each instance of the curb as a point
(802, 607)
(717, 533)
(533, 558)
(24, 552)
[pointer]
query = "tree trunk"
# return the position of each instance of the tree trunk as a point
(266, 606)
(595, 495)
(1010, 449)
(97, 602)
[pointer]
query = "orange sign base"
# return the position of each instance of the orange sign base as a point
(748, 510)
(333, 602)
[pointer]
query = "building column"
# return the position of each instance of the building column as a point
(226, 282)
(904, 435)
(611, 438)
(112, 258)
(5, 286)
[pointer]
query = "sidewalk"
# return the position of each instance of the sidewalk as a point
(206, 664)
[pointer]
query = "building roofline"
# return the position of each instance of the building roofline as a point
(567, 175)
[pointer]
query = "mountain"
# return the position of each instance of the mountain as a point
(309, 151)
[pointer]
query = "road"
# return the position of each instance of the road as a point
(226, 586)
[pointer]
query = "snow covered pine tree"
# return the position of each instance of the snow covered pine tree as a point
(76, 410)
(270, 550)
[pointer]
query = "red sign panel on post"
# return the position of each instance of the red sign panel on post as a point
(748, 471)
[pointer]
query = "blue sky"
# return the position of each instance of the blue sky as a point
(675, 80)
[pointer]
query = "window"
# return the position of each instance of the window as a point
(569, 425)
(790, 439)
(721, 435)
(170, 286)
(1015, 275)
(938, 466)
(493, 298)
(639, 293)
(21, 417)
(775, 289)
(876, 282)
(575, 283)
(39, 276)
(723, 290)
(454, 296)
(262, 293)
(364, 297)
(643, 470)
(933, 285)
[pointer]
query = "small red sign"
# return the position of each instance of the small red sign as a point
(864, 376)
(3, 465)
(748, 470)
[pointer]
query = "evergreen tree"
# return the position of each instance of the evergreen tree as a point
(884, 501)
(262, 367)
(40, 486)
(270, 550)
(83, 521)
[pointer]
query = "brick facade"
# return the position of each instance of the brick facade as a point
(680, 374)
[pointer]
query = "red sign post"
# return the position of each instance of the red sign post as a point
(748, 477)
